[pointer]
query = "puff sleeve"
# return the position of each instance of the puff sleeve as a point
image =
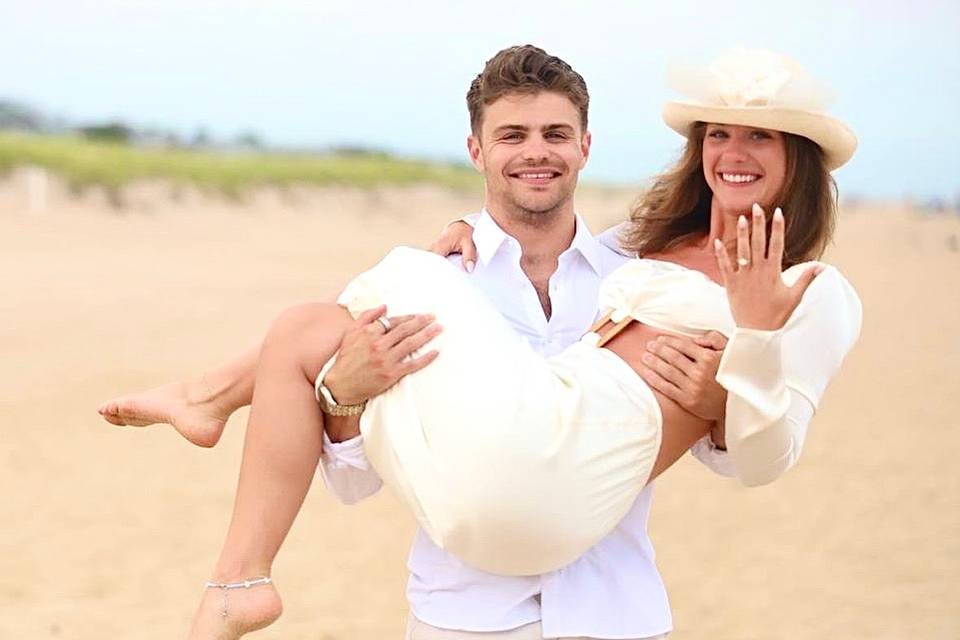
(775, 379)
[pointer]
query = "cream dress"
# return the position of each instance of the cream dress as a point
(517, 463)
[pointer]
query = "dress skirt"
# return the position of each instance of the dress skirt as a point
(515, 463)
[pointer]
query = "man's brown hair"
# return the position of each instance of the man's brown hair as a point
(525, 69)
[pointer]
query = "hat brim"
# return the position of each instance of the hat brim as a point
(835, 138)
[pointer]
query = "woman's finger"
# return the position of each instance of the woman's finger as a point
(743, 243)
(758, 239)
(442, 246)
(468, 252)
(776, 238)
(723, 261)
(451, 238)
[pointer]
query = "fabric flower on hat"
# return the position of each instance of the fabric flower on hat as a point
(750, 78)
(747, 79)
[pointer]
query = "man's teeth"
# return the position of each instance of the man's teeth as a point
(738, 177)
(535, 176)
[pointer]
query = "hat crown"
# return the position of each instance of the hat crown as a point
(751, 78)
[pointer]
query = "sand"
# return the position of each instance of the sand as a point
(110, 532)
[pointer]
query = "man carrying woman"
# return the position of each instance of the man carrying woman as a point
(530, 141)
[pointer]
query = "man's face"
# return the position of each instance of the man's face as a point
(530, 149)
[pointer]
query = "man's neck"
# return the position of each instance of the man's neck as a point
(542, 238)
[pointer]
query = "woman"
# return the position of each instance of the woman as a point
(594, 434)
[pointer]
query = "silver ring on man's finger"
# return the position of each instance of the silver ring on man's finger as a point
(743, 262)
(384, 323)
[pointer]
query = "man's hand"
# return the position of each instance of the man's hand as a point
(685, 370)
(372, 359)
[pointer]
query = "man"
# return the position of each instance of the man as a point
(539, 264)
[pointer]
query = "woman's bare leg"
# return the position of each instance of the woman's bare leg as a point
(198, 409)
(282, 447)
(680, 428)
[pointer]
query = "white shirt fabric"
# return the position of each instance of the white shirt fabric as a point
(614, 589)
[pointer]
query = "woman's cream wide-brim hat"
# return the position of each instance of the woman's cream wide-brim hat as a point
(758, 88)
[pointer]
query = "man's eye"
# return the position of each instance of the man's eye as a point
(512, 136)
(556, 135)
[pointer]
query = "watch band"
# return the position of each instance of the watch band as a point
(330, 406)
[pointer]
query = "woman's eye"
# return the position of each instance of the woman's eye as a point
(760, 135)
(717, 133)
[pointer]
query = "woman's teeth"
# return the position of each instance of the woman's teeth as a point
(738, 177)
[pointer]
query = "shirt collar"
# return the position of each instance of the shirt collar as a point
(489, 237)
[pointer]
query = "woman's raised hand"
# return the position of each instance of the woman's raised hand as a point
(758, 297)
(457, 237)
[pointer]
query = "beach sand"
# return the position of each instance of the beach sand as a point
(110, 532)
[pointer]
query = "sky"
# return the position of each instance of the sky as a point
(393, 75)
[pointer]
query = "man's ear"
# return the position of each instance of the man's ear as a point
(585, 143)
(475, 151)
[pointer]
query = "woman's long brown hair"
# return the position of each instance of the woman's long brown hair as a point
(676, 207)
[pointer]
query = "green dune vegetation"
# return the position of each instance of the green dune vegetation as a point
(84, 162)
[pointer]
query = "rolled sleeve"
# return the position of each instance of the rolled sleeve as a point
(346, 471)
(716, 459)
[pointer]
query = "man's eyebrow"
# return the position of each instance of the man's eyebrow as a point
(511, 127)
(558, 125)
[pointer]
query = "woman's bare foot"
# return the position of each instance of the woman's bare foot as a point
(188, 407)
(247, 610)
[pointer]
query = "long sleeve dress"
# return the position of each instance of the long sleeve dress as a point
(583, 429)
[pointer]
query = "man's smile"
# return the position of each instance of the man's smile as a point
(538, 176)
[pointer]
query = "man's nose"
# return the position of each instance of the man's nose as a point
(535, 150)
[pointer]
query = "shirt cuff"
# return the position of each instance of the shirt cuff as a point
(716, 459)
(341, 455)
(752, 373)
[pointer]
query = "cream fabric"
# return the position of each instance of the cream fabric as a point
(591, 427)
(571, 473)
(613, 590)
(419, 630)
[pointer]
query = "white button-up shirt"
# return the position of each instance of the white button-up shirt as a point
(614, 590)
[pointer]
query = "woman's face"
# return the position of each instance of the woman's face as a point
(743, 165)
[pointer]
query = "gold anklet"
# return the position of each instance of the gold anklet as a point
(226, 586)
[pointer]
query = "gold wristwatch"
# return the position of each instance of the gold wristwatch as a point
(330, 407)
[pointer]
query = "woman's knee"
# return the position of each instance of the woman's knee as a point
(307, 327)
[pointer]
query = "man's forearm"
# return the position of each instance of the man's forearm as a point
(341, 428)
